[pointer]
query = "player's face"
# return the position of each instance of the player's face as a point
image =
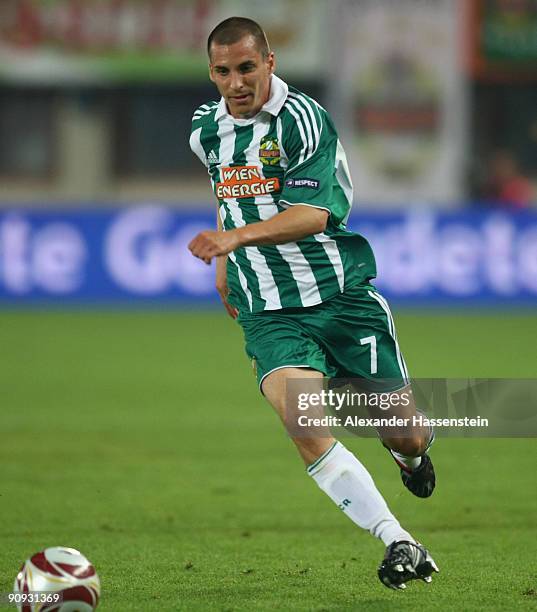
(242, 76)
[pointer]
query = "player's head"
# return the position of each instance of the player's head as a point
(240, 65)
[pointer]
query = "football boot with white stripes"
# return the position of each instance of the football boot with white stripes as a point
(405, 561)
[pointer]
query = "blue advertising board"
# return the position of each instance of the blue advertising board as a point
(139, 254)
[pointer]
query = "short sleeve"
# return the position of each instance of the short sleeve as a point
(202, 115)
(195, 143)
(310, 143)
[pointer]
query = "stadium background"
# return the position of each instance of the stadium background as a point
(131, 426)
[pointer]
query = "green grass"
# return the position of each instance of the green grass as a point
(141, 439)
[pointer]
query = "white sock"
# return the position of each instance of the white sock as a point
(346, 481)
(405, 462)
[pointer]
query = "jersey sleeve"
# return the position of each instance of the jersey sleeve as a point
(201, 115)
(195, 140)
(310, 143)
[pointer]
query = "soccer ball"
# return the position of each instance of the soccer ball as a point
(58, 570)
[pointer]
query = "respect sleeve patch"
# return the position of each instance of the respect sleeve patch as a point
(300, 183)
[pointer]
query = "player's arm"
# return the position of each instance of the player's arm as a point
(221, 277)
(295, 223)
(291, 225)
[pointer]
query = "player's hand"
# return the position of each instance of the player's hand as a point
(209, 244)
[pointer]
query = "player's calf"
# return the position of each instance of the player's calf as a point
(311, 449)
(408, 445)
(417, 471)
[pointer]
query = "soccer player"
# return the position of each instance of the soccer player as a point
(296, 280)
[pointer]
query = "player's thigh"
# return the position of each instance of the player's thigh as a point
(286, 388)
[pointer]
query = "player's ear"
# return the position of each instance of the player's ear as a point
(211, 72)
(271, 62)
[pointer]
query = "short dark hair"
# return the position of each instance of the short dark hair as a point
(233, 29)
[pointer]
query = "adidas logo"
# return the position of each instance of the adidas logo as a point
(212, 157)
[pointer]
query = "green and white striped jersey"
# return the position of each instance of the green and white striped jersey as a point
(289, 153)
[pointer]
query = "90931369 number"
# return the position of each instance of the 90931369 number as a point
(32, 597)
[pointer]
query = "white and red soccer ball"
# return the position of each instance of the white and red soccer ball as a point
(59, 570)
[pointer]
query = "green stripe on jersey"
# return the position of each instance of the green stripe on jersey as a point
(321, 266)
(273, 261)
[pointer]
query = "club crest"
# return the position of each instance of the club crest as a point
(269, 151)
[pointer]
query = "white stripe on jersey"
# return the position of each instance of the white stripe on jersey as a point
(312, 143)
(343, 175)
(226, 156)
(242, 279)
(305, 142)
(331, 250)
(222, 212)
(302, 273)
(267, 286)
(300, 268)
(391, 326)
(201, 112)
(284, 160)
(195, 145)
(235, 212)
(227, 141)
(301, 111)
(298, 264)
(316, 128)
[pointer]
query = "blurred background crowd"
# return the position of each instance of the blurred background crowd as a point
(435, 100)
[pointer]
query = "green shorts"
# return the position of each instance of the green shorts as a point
(350, 336)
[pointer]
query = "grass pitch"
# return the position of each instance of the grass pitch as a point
(141, 439)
